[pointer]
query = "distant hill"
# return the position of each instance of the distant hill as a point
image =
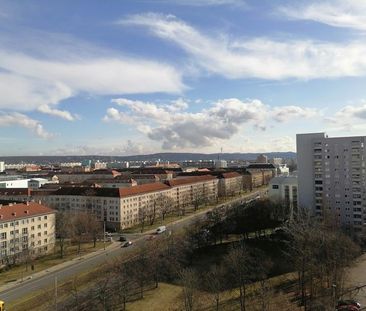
(168, 156)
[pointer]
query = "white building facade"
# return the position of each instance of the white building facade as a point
(26, 229)
(284, 189)
(332, 177)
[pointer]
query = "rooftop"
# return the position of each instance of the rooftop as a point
(22, 210)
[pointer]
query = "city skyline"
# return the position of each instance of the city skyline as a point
(139, 77)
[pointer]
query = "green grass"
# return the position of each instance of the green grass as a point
(20, 271)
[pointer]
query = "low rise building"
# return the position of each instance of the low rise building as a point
(230, 183)
(283, 189)
(26, 230)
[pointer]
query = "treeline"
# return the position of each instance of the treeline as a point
(317, 253)
(76, 228)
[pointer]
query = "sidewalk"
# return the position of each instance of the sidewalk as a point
(58, 267)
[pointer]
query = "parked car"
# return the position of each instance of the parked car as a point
(108, 234)
(348, 305)
(122, 239)
(161, 229)
(127, 244)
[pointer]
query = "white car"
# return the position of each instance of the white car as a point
(161, 229)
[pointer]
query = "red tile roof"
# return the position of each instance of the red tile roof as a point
(23, 210)
(189, 180)
(230, 175)
(158, 186)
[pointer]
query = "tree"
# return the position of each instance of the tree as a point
(189, 281)
(63, 230)
(167, 204)
(80, 224)
(94, 228)
(239, 264)
(215, 282)
(142, 215)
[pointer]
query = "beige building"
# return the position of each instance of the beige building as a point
(123, 207)
(26, 230)
(230, 183)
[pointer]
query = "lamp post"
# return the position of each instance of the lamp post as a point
(104, 219)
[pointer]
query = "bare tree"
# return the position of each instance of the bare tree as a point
(93, 227)
(80, 224)
(167, 204)
(142, 215)
(239, 264)
(63, 230)
(189, 282)
(215, 282)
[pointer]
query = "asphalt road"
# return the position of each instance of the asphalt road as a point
(80, 265)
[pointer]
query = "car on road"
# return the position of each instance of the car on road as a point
(127, 244)
(161, 229)
(348, 305)
(122, 239)
(108, 234)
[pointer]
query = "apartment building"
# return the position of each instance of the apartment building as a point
(26, 229)
(122, 207)
(283, 189)
(332, 178)
(230, 183)
(187, 191)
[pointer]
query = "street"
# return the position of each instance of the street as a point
(65, 271)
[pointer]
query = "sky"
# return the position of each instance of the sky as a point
(123, 77)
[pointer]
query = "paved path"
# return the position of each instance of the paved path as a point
(69, 269)
(357, 277)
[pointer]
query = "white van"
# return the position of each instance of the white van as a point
(161, 229)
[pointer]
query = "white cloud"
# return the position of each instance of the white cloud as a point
(57, 113)
(348, 117)
(178, 129)
(257, 58)
(336, 13)
(44, 82)
(288, 113)
(112, 149)
(19, 119)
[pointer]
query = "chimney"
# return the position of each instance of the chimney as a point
(14, 213)
(26, 211)
(27, 203)
(1, 216)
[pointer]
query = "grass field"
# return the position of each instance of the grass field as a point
(22, 271)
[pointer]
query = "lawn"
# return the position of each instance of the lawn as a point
(22, 271)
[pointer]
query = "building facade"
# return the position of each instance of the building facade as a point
(284, 190)
(332, 177)
(26, 229)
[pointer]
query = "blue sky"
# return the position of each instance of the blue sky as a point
(123, 77)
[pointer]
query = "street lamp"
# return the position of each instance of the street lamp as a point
(104, 220)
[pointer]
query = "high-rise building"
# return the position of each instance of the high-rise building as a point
(332, 177)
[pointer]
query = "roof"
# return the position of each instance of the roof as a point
(15, 191)
(261, 166)
(284, 180)
(158, 186)
(189, 180)
(88, 191)
(22, 210)
(230, 175)
(112, 192)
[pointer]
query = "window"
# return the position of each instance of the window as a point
(274, 186)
